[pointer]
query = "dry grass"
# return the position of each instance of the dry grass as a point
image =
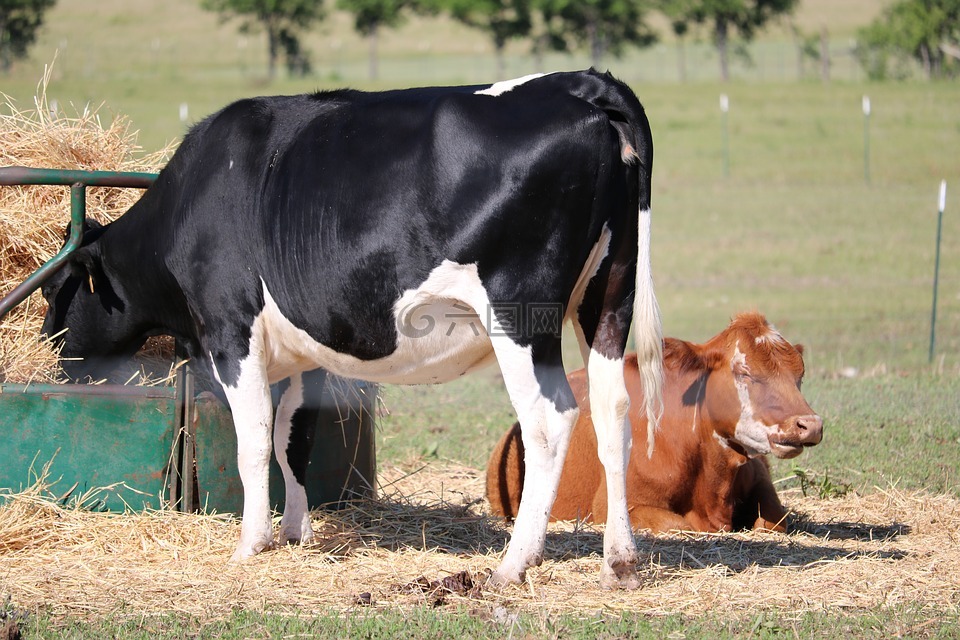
(33, 218)
(885, 549)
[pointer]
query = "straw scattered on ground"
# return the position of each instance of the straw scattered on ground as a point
(430, 540)
(33, 218)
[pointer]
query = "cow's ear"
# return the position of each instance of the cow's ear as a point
(799, 348)
(690, 357)
(88, 265)
(89, 224)
(712, 359)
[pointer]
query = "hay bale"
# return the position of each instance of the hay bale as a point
(33, 218)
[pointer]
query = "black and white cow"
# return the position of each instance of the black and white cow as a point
(399, 237)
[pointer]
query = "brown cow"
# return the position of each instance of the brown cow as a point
(726, 403)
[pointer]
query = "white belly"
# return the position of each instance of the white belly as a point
(443, 329)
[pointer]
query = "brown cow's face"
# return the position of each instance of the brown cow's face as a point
(766, 372)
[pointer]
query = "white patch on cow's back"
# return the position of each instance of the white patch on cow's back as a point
(499, 88)
(452, 297)
(749, 433)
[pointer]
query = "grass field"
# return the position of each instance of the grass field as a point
(843, 266)
(144, 58)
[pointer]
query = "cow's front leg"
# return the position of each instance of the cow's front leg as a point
(547, 410)
(293, 439)
(252, 410)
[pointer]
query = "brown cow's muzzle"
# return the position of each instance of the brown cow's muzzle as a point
(796, 433)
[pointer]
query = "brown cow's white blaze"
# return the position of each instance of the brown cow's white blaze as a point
(750, 433)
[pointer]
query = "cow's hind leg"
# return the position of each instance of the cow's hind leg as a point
(547, 409)
(605, 318)
(609, 405)
(294, 434)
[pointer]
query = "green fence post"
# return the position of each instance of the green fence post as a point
(936, 268)
(866, 139)
(725, 133)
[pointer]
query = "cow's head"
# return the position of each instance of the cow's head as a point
(87, 315)
(752, 390)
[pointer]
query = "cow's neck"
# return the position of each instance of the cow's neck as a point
(719, 458)
(720, 469)
(128, 249)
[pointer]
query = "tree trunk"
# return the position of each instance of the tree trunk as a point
(501, 60)
(925, 57)
(681, 60)
(273, 49)
(824, 55)
(374, 38)
(539, 46)
(798, 45)
(596, 43)
(6, 56)
(721, 38)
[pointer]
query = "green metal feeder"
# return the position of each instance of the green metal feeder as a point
(157, 447)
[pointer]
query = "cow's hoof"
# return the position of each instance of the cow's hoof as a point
(295, 535)
(501, 578)
(247, 551)
(620, 576)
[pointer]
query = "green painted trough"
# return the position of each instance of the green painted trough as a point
(157, 447)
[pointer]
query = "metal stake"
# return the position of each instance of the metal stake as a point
(936, 268)
(866, 139)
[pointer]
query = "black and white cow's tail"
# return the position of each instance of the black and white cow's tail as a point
(648, 332)
(636, 148)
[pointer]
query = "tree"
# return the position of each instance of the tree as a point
(678, 13)
(813, 46)
(606, 26)
(503, 20)
(369, 16)
(725, 18)
(19, 22)
(283, 20)
(921, 30)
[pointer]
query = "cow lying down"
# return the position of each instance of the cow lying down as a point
(727, 403)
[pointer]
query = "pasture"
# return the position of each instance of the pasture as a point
(842, 266)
